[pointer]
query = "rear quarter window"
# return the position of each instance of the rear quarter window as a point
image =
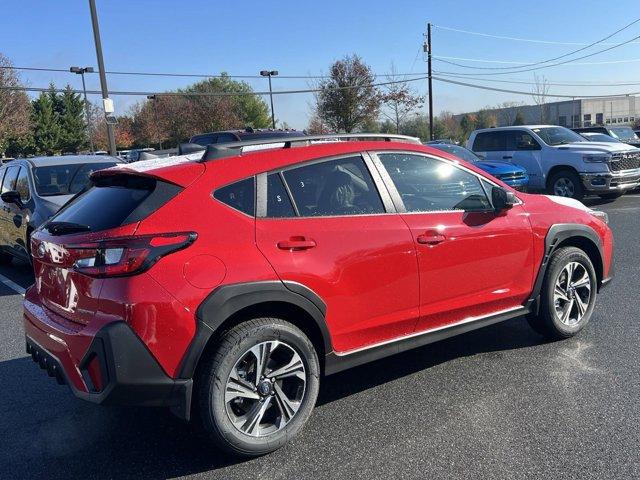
(239, 196)
(115, 201)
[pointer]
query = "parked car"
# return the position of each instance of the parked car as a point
(248, 134)
(560, 161)
(599, 137)
(623, 133)
(511, 174)
(233, 283)
(33, 189)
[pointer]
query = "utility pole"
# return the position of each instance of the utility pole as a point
(81, 71)
(107, 102)
(270, 73)
(428, 49)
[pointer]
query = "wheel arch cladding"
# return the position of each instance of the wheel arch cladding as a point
(574, 235)
(229, 305)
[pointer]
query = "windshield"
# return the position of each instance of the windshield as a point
(600, 137)
(456, 150)
(65, 179)
(625, 134)
(558, 135)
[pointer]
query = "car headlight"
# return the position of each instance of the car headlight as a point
(600, 215)
(596, 158)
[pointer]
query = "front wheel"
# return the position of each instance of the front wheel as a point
(568, 295)
(566, 183)
(258, 389)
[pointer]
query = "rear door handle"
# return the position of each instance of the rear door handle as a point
(431, 239)
(297, 243)
(507, 157)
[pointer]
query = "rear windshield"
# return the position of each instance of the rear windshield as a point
(65, 179)
(115, 201)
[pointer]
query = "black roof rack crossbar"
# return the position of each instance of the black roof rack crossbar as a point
(216, 151)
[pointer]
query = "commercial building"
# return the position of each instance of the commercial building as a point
(581, 112)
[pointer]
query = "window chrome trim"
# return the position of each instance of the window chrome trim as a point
(431, 330)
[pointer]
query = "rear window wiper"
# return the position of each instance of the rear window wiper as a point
(60, 228)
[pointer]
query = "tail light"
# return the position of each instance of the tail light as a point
(117, 257)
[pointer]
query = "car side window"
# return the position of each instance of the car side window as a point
(278, 201)
(524, 141)
(226, 137)
(204, 140)
(10, 177)
(239, 195)
(490, 142)
(334, 187)
(429, 185)
(22, 185)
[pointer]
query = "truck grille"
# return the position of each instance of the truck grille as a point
(512, 176)
(625, 161)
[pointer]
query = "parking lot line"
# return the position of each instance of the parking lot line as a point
(12, 285)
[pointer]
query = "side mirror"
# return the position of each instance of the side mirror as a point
(481, 156)
(12, 197)
(502, 199)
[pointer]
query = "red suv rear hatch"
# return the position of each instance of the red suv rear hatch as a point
(66, 246)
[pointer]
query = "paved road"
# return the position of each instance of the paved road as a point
(495, 403)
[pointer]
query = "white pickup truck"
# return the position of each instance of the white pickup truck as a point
(560, 161)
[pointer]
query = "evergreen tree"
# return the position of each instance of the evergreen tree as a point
(73, 129)
(46, 131)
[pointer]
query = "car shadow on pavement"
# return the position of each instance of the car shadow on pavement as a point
(47, 431)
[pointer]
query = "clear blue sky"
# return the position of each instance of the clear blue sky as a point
(296, 37)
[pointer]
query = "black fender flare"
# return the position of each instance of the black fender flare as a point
(225, 301)
(556, 234)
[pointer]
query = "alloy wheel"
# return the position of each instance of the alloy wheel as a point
(572, 293)
(265, 388)
(564, 187)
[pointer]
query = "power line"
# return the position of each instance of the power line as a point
(551, 82)
(523, 64)
(502, 37)
(565, 55)
(503, 90)
(189, 75)
(207, 94)
(540, 66)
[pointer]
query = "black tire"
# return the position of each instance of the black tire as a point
(548, 322)
(610, 196)
(570, 178)
(5, 258)
(212, 382)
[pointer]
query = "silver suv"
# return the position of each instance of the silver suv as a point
(560, 161)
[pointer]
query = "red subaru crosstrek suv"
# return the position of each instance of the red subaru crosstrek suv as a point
(228, 285)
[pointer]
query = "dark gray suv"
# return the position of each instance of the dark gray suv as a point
(33, 189)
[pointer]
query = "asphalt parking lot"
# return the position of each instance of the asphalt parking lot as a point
(495, 403)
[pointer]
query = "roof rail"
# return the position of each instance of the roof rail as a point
(216, 151)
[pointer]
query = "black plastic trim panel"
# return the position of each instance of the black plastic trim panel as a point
(227, 300)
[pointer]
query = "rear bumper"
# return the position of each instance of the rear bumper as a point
(115, 369)
(611, 181)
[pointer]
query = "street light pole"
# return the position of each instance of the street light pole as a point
(154, 98)
(428, 46)
(81, 71)
(270, 73)
(108, 104)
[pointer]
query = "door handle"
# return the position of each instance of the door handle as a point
(431, 239)
(507, 157)
(296, 243)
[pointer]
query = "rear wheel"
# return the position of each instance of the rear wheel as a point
(258, 389)
(566, 183)
(568, 295)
